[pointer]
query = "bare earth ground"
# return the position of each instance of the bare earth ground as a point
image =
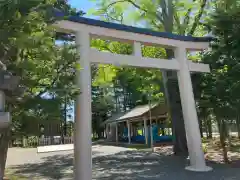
(214, 151)
(113, 163)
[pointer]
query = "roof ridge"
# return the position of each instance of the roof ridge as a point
(127, 28)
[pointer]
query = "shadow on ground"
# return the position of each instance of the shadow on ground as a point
(134, 165)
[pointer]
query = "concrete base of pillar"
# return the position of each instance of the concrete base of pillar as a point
(197, 169)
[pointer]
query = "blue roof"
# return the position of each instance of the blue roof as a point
(132, 29)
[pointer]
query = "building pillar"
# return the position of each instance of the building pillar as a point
(105, 132)
(151, 133)
(197, 160)
(129, 132)
(145, 131)
(108, 129)
(109, 133)
(83, 113)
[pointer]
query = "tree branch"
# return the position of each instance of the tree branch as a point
(158, 27)
(167, 14)
(187, 17)
(198, 17)
(178, 23)
(146, 11)
(164, 8)
(115, 2)
(115, 19)
(136, 6)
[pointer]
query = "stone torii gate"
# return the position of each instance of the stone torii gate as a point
(85, 29)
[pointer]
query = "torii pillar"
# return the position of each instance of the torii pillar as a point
(83, 112)
(197, 159)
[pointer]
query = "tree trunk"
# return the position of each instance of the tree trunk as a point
(64, 124)
(180, 142)
(238, 124)
(209, 127)
(52, 140)
(112, 134)
(222, 130)
(206, 127)
(65, 117)
(99, 133)
(163, 131)
(201, 127)
(174, 102)
(229, 135)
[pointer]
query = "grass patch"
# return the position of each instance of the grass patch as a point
(214, 144)
(12, 176)
(214, 152)
(138, 146)
(235, 145)
(235, 148)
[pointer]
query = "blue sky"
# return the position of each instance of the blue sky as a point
(84, 5)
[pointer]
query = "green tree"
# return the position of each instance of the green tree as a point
(181, 17)
(29, 50)
(222, 86)
(129, 84)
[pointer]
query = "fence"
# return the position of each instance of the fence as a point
(35, 141)
(55, 140)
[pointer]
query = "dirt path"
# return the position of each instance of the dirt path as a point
(112, 163)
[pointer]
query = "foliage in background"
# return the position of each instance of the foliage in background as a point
(220, 89)
(29, 50)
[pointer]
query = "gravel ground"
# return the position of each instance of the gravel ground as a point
(113, 163)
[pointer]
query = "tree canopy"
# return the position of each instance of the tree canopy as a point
(29, 50)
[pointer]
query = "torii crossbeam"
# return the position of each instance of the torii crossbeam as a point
(84, 30)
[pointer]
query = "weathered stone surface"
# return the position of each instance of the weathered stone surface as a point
(8, 81)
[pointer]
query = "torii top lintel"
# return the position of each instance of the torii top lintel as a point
(128, 33)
